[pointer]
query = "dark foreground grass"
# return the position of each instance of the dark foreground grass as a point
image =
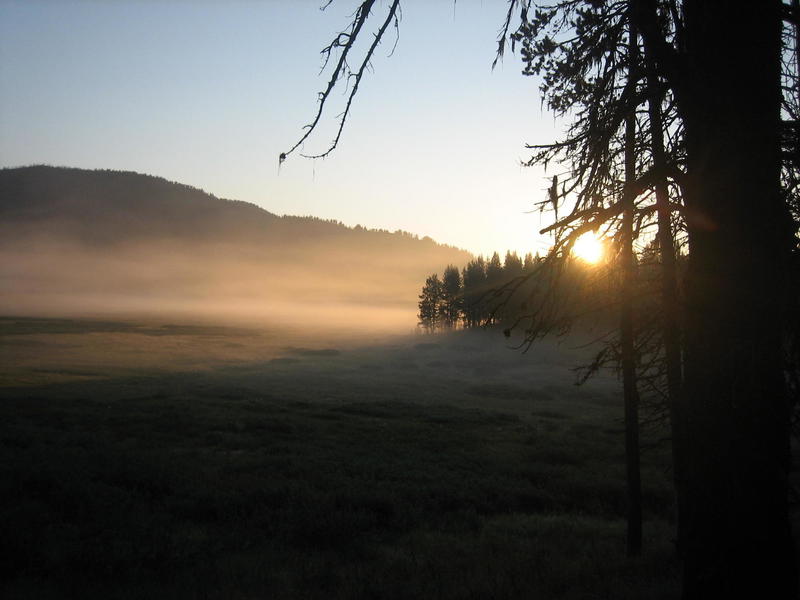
(249, 496)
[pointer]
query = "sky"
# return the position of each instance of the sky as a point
(210, 93)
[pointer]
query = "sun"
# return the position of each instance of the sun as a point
(588, 247)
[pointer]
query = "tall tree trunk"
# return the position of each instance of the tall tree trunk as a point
(796, 16)
(630, 393)
(670, 302)
(738, 539)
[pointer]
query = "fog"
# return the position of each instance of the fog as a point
(222, 282)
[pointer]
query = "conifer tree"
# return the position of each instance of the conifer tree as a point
(475, 290)
(452, 296)
(529, 263)
(494, 282)
(512, 266)
(430, 304)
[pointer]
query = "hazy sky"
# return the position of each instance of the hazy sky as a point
(209, 93)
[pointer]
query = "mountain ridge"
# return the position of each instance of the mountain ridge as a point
(88, 241)
(42, 181)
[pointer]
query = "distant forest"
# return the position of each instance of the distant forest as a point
(74, 239)
(108, 206)
(469, 297)
(531, 295)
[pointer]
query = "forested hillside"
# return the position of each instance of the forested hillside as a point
(124, 242)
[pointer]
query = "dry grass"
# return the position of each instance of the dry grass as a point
(292, 467)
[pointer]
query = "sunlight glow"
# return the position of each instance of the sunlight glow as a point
(588, 247)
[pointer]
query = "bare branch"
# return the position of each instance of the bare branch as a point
(345, 41)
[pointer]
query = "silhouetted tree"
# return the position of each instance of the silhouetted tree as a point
(512, 265)
(670, 300)
(494, 281)
(626, 328)
(740, 237)
(529, 263)
(452, 296)
(716, 139)
(475, 289)
(430, 304)
(494, 270)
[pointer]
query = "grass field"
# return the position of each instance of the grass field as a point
(198, 461)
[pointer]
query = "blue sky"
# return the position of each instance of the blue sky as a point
(209, 93)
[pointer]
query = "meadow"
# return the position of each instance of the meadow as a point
(158, 460)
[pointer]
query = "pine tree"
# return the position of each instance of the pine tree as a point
(430, 304)
(512, 266)
(529, 263)
(452, 296)
(475, 289)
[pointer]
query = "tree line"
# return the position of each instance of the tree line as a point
(467, 298)
(490, 292)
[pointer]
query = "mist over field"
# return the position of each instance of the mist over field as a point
(112, 244)
(208, 282)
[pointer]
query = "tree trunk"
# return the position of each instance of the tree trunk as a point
(738, 534)
(630, 393)
(670, 303)
(796, 15)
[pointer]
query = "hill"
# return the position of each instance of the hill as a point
(80, 242)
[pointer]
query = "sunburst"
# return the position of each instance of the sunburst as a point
(588, 247)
